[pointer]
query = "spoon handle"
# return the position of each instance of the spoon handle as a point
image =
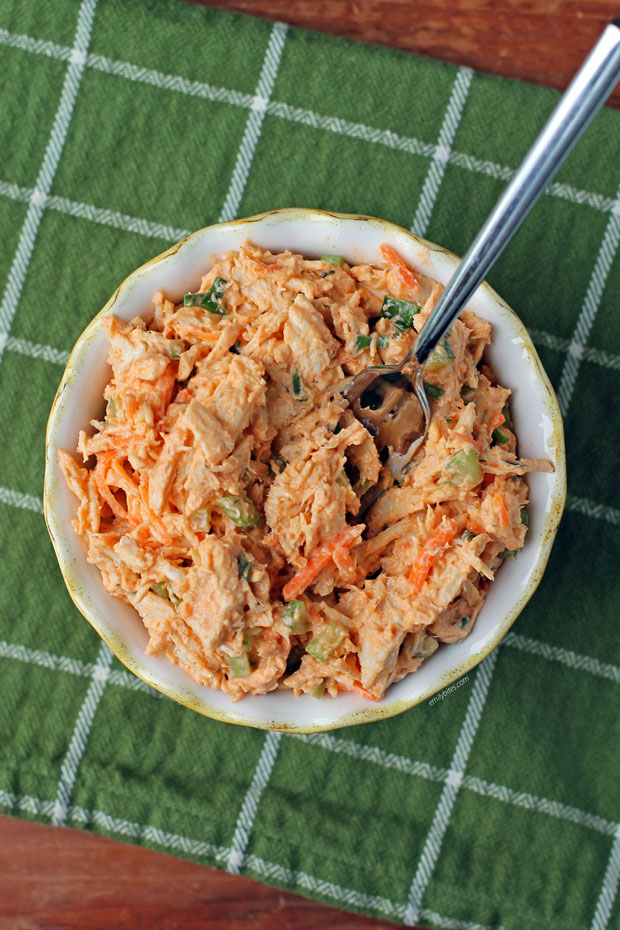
(585, 95)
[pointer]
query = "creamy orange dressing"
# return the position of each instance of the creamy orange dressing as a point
(219, 495)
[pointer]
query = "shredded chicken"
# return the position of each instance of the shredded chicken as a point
(219, 495)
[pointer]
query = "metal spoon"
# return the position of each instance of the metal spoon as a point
(585, 95)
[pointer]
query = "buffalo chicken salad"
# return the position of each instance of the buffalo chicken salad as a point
(220, 493)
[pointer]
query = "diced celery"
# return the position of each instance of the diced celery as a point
(239, 666)
(245, 567)
(210, 300)
(362, 486)
(426, 648)
(433, 390)
(525, 518)
(318, 690)
(296, 617)
(361, 342)
(508, 554)
(322, 644)
(247, 643)
(468, 393)
(111, 408)
(400, 312)
(343, 480)
(240, 509)
(175, 350)
(441, 355)
(161, 590)
(500, 438)
(464, 469)
(201, 519)
(333, 259)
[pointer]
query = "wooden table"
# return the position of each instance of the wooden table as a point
(52, 878)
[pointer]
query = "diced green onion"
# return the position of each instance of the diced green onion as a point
(449, 420)
(400, 312)
(441, 355)
(245, 567)
(500, 438)
(323, 644)
(210, 300)
(383, 341)
(326, 274)
(467, 534)
(296, 617)
(239, 666)
(525, 518)
(333, 259)
(240, 509)
(464, 621)
(318, 690)
(161, 590)
(426, 648)
(201, 519)
(361, 342)
(298, 386)
(432, 390)
(508, 554)
(464, 469)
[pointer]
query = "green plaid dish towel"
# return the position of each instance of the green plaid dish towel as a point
(123, 126)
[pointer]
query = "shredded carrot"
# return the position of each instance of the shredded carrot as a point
(153, 518)
(102, 486)
(465, 437)
(504, 518)
(163, 386)
(398, 264)
(183, 397)
(367, 694)
(474, 526)
(321, 556)
(429, 551)
(190, 329)
(496, 420)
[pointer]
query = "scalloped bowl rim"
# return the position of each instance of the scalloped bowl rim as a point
(429, 258)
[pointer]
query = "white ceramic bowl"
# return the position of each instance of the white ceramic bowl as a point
(313, 233)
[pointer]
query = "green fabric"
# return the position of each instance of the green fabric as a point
(128, 152)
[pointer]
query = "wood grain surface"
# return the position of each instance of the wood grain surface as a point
(59, 879)
(543, 41)
(52, 878)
